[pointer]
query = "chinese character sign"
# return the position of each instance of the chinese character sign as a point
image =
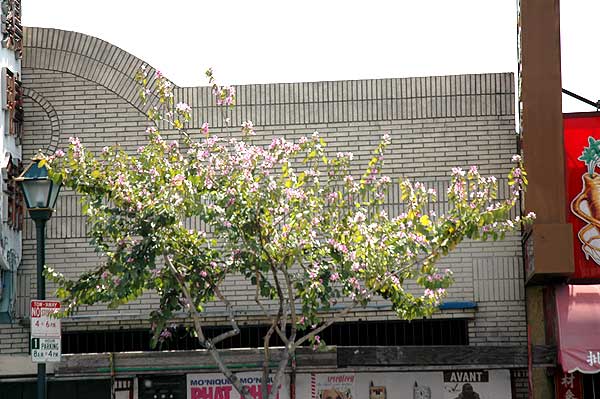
(568, 385)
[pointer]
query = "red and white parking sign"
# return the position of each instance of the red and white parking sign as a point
(43, 324)
(45, 331)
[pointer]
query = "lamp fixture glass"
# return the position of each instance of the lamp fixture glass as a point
(39, 190)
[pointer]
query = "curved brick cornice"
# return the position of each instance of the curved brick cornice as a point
(85, 56)
(52, 115)
(280, 104)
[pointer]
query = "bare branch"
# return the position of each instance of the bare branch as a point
(326, 324)
(235, 330)
(190, 302)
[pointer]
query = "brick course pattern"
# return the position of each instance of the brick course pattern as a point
(77, 85)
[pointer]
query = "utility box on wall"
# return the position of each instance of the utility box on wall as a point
(548, 252)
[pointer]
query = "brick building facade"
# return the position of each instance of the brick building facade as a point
(77, 85)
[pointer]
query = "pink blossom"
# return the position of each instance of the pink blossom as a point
(295, 194)
(205, 128)
(248, 128)
(183, 108)
(458, 172)
(178, 180)
(165, 334)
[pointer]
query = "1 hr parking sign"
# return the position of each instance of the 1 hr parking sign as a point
(45, 350)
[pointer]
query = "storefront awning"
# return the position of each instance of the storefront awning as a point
(578, 319)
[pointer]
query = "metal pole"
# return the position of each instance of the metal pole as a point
(583, 99)
(40, 235)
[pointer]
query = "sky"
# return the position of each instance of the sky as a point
(268, 41)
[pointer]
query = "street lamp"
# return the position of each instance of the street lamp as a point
(40, 194)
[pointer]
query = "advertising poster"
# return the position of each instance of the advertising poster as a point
(582, 175)
(333, 386)
(453, 384)
(216, 386)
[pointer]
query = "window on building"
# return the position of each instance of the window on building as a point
(14, 104)
(14, 196)
(358, 333)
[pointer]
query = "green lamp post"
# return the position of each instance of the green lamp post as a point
(40, 194)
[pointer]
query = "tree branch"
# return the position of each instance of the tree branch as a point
(207, 343)
(292, 305)
(325, 325)
(264, 309)
(266, 360)
(235, 330)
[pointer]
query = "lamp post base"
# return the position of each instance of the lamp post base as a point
(41, 381)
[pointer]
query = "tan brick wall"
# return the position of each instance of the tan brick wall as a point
(81, 86)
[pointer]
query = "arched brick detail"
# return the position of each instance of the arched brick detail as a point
(52, 115)
(87, 57)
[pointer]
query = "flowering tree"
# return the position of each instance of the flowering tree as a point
(294, 221)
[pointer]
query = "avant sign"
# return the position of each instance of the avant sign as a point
(45, 331)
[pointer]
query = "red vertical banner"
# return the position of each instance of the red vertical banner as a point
(568, 385)
(582, 170)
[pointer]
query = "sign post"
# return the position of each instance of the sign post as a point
(45, 331)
